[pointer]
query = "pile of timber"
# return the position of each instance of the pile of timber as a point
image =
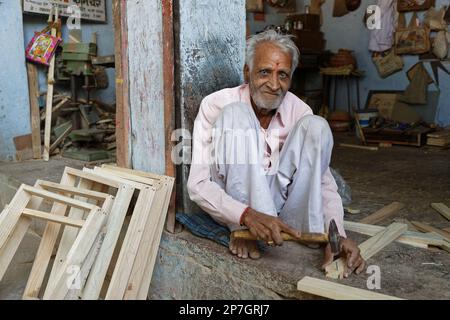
(99, 255)
(439, 138)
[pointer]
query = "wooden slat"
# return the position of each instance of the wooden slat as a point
(49, 104)
(130, 245)
(60, 139)
(383, 213)
(148, 273)
(33, 88)
(145, 248)
(355, 146)
(133, 172)
(53, 218)
(412, 238)
(442, 209)
(335, 291)
(73, 190)
(59, 198)
(128, 176)
(78, 253)
(67, 239)
(76, 294)
(56, 108)
(11, 215)
(114, 225)
(45, 250)
(92, 177)
(368, 248)
(427, 228)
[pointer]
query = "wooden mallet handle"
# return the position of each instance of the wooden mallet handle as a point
(305, 237)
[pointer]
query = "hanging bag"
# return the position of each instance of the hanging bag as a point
(42, 47)
(414, 39)
(388, 64)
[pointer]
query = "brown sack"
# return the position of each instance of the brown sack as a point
(340, 8)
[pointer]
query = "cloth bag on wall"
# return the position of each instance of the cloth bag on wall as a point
(440, 45)
(42, 47)
(413, 39)
(388, 64)
(434, 19)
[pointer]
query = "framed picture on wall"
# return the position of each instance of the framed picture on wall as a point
(254, 5)
(383, 100)
(94, 10)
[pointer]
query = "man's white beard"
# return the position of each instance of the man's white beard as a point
(261, 103)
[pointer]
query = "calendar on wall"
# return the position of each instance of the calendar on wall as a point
(91, 10)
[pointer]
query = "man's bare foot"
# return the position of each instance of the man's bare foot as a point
(244, 248)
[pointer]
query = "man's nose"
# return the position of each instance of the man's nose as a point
(274, 83)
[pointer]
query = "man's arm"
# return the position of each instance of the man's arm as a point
(207, 194)
(332, 202)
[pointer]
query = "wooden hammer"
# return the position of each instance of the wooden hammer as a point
(331, 237)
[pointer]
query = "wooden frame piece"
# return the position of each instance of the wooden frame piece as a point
(33, 88)
(442, 209)
(336, 291)
(369, 248)
(383, 213)
(415, 239)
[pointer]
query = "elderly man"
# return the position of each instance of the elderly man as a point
(261, 158)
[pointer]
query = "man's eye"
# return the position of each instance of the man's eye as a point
(264, 72)
(283, 75)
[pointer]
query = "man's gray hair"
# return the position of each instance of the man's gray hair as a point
(283, 41)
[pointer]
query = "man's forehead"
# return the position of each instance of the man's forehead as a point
(266, 52)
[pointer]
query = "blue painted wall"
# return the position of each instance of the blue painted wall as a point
(14, 101)
(105, 42)
(349, 32)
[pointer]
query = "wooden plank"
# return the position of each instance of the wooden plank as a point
(415, 239)
(73, 190)
(8, 251)
(89, 175)
(67, 239)
(355, 146)
(368, 248)
(57, 107)
(33, 91)
(148, 273)
(427, 228)
(336, 291)
(106, 174)
(60, 139)
(122, 83)
(128, 176)
(383, 213)
(76, 293)
(53, 218)
(46, 246)
(146, 246)
(11, 215)
(49, 104)
(442, 209)
(114, 225)
(77, 254)
(133, 172)
(131, 244)
(169, 104)
(59, 198)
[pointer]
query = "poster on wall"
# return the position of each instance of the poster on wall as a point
(91, 10)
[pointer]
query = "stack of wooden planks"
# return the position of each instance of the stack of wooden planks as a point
(439, 138)
(92, 260)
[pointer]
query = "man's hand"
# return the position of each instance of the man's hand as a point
(350, 253)
(266, 227)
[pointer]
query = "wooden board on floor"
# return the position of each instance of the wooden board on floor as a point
(369, 248)
(383, 213)
(335, 291)
(442, 209)
(412, 238)
(427, 228)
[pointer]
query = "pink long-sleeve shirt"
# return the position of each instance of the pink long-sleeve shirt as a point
(210, 196)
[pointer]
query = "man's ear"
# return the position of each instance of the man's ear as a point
(246, 74)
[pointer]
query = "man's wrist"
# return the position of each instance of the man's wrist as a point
(244, 213)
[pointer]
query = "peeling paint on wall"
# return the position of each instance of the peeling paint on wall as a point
(210, 56)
